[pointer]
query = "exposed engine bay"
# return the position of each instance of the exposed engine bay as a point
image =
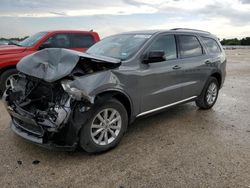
(88, 66)
(47, 102)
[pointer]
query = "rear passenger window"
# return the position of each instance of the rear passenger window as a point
(81, 40)
(212, 45)
(167, 44)
(189, 46)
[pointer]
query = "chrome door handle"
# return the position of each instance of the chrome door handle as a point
(176, 67)
(208, 62)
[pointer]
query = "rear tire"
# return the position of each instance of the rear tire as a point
(209, 94)
(4, 77)
(99, 134)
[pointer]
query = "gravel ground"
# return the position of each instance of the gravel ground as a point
(180, 147)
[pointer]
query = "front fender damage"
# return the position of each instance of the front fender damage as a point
(87, 87)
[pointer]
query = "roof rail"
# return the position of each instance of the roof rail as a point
(191, 30)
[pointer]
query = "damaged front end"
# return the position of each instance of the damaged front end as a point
(40, 111)
(43, 100)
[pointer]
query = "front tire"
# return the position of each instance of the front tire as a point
(105, 127)
(209, 94)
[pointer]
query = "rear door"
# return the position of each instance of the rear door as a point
(161, 82)
(193, 63)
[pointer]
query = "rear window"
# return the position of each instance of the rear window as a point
(189, 46)
(211, 45)
(81, 40)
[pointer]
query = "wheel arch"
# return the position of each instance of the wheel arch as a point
(2, 70)
(218, 76)
(121, 97)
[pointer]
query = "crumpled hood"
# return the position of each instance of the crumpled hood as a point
(55, 63)
(11, 49)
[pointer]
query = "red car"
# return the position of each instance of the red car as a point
(10, 55)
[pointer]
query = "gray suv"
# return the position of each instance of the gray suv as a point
(64, 99)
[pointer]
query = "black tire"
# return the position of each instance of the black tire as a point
(202, 102)
(4, 76)
(86, 141)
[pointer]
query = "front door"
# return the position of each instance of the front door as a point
(161, 82)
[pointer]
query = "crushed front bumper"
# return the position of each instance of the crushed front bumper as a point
(29, 129)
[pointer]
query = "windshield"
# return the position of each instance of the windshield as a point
(30, 41)
(121, 46)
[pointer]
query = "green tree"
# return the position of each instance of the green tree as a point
(233, 41)
(245, 41)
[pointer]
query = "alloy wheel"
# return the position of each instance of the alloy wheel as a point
(8, 80)
(211, 93)
(106, 126)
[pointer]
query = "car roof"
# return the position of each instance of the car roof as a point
(69, 31)
(175, 30)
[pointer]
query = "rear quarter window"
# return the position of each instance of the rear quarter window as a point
(211, 45)
(189, 46)
(82, 40)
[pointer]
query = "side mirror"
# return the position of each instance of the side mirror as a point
(44, 45)
(154, 57)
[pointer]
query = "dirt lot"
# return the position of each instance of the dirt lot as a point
(181, 147)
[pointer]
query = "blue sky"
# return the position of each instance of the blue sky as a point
(225, 18)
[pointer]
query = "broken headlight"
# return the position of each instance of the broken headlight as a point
(72, 91)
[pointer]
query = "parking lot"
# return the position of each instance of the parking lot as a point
(180, 147)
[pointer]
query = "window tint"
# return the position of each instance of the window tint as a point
(58, 41)
(212, 45)
(189, 46)
(167, 44)
(82, 40)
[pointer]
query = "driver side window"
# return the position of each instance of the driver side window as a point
(58, 41)
(167, 44)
